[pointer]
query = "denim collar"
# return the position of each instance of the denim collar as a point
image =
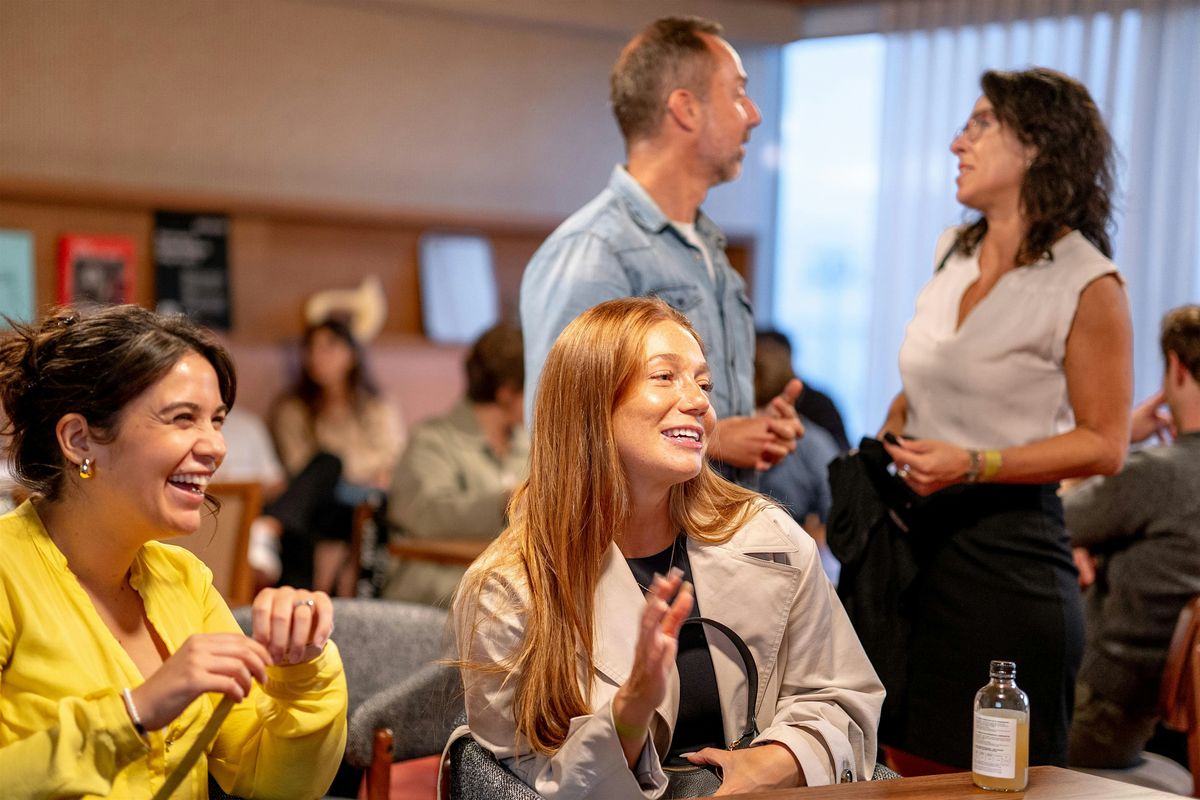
(648, 215)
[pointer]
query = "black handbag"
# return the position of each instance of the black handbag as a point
(688, 780)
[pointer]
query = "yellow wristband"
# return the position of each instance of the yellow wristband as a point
(991, 464)
(628, 731)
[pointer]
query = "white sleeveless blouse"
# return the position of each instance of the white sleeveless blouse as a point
(998, 380)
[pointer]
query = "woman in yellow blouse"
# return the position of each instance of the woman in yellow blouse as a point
(115, 648)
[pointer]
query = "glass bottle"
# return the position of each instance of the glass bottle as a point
(1000, 759)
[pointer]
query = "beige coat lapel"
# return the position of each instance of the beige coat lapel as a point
(726, 577)
(753, 596)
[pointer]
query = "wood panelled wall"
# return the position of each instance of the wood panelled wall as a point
(279, 254)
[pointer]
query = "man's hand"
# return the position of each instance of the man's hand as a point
(761, 442)
(1085, 562)
(1149, 418)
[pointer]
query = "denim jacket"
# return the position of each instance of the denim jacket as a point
(621, 245)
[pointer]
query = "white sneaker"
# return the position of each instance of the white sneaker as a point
(264, 550)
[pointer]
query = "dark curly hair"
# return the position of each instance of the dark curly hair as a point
(92, 364)
(1070, 181)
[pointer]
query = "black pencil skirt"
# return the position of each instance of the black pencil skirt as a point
(995, 581)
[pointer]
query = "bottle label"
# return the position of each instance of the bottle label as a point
(995, 746)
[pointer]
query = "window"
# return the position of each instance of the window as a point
(867, 179)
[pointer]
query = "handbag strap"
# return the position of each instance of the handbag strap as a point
(750, 731)
(207, 734)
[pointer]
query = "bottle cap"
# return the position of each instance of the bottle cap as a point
(1004, 669)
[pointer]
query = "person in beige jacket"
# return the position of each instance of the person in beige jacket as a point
(576, 673)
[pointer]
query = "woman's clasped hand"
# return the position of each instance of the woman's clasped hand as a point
(290, 627)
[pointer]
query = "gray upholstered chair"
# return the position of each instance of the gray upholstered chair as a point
(475, 774)
(389, 649)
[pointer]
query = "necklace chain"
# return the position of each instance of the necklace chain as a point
(670, 564)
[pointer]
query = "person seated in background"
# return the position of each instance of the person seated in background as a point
(339, 440)
(813, 405)
(576, 672)
(1137, 540)
(250, 458)
(459, 470)
(800, 482)
(115, 647)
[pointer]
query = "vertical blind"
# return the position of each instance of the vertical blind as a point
(1141, 62)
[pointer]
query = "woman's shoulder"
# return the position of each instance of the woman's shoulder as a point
(176, 564)
(946, 240)
(1077, 262)
(17, 531)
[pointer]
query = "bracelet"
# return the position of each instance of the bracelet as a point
(972, 475)
(133, 712)
(992, 462)
(628, 731)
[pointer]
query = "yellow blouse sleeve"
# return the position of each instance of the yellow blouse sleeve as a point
(286, 739)
(91, 741)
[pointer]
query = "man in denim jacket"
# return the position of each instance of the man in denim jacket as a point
(679, 96)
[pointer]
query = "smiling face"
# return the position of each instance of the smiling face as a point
(167, 444)
(728, 114)
(663, 421)
(992, 163)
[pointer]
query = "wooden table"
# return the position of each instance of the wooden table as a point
(460, 552)
(1045, 783)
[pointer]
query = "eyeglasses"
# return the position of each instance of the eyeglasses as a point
(979, 124)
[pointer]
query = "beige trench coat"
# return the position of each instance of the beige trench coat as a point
(818, 694)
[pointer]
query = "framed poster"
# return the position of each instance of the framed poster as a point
(191, 266)
(95, 270)
(16, 276)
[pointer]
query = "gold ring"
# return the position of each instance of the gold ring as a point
(903, 472)
(309, 603)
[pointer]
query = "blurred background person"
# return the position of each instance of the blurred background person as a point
(458, 470)
(800, 482)
(339, 440)
(812, 405)
(250, 457)
(577, 672)
(1137, 535)
(1017, 373)
(115, 647)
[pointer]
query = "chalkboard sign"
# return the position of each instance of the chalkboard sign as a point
(191, 266)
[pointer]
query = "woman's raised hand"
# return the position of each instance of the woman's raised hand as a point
(668, 604)
(292, 624)
(227, 663)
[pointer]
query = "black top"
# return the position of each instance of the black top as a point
(699, 722)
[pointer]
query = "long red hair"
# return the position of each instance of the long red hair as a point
(564, 517)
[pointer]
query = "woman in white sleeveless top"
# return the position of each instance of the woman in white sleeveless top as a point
(1017, 374)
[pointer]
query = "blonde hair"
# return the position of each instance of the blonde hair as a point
(564, 517)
